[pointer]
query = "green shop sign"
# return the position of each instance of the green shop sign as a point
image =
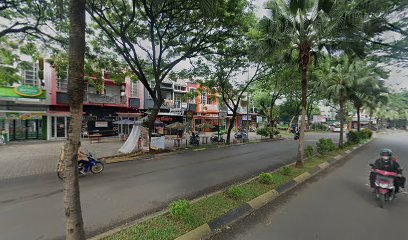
(28, 91)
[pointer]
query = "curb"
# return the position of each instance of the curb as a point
(216, 225)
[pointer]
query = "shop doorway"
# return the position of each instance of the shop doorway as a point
(26, 129)
(59, 127)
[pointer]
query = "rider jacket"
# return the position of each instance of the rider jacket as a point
(390, 165)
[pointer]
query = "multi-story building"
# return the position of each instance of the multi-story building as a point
(23, 105)
(102, 105)
(175, 104)
(207, 108)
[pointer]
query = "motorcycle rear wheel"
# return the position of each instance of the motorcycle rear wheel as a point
(97, 168)
(382, 200)
(60, 170)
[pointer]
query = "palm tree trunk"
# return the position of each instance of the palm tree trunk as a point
(358, 119)
(304, 64)
(341, 141)
(72, 204)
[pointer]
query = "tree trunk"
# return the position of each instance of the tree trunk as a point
(271, 120)
(304, 64)
(358, 119)
(291, 122)
(152, 119)
(341, 141)
(72, 203)
(230, 127)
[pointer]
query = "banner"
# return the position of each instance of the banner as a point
(23, 116)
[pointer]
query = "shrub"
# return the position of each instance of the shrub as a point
(353, 138)
(262, 131)
(235, 192)
(286, 171)
(180, 209)
(324, 146)
(265, 178)
(366, 133)
(319, 127)
(309, 151)
(267, 131)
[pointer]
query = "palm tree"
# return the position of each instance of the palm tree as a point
(302, 26)
(366, 84)
(338, 73)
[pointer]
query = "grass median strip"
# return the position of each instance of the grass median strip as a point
(185, 216)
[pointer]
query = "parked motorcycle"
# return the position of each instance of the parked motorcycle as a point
(241, 134)
(384, 185)
(217, 139)
(92, 165)
(194, 139)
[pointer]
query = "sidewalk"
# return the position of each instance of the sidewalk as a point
(31, 158)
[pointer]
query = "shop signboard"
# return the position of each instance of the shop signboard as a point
(101, 124)
(28, 91)
(23, 116)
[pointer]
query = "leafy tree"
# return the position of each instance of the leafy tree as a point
(273, 87)
(36, 19)
(155, 36)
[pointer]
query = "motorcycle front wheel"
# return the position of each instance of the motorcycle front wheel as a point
(97, 168)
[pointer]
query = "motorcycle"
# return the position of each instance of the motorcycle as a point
(194, 139)
(92, 165)
(217, 139)
(384, 185)
(241, 134)
(297, 134)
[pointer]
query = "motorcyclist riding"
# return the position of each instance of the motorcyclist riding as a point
(388, 163)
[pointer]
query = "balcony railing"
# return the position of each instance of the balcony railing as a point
(106, 99)
(208, 108)
(62, 86)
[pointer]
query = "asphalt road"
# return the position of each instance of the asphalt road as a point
(337, 205)
(32, 207)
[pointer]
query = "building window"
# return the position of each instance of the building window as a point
(134, 89)
(177, 87)
(177, 100)
(210, 100)
(193, 96)
(203, 98)
(30, 76)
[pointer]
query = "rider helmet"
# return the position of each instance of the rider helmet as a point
(386, 153)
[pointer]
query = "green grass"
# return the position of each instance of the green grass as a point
(209, 208)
